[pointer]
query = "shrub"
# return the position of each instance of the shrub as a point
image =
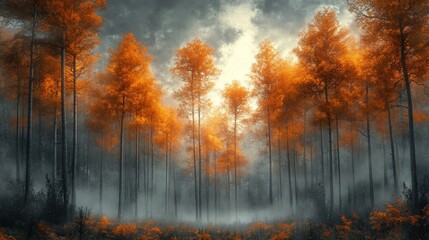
(125, 231)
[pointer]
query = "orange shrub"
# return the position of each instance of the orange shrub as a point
(283, 231)
(349, 229)
(327, 232)
(4, 236)
(202, 236)
(103, 225)
(45, 232)
(258, 230)
(154, 233)
(125, 230)
(396, 220)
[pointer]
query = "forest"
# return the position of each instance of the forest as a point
(325, 142)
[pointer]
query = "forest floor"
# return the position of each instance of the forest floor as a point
(397, 221)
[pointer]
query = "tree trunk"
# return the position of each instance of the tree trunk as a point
(322, 163)
(280, 168)
(137, 177)
(235, 166)
(30, 112)
(269, 156)
(193, 147)
(208, 183)
(215, 186)
(39, 149)
(121, 160)
(166, 174)
(18, 99)
(55, 142)
(392, 149)
(353, 167)
(74, 156)
(415, 190)
(368, 133)
(331, 175)
(289, 169)
(174, 185)
(304, 156)
(100, 196)
(339, 166)
(199, 160)
(151, 169)
(295, 178)
(64, 128)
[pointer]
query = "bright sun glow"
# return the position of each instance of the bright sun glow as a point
(238, 57)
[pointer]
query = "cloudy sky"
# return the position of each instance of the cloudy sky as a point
(233, 28)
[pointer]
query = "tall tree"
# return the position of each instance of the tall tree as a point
(13, 52)
(236, 98)
(127, 78)
(403, 28)
(264, 77)
(194, 66)
(29, 13)
(321, 50)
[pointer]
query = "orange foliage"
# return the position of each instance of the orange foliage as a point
(258, 230)
(103, 225)
(125, 230)
(327, 233)
(349, 228)
(44, 231)
(397, 219)
(4, 236)
(284, 231)
(202, 236)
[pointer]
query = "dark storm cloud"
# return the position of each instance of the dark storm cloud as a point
(289, 15)
(280, 18)
(163, 26)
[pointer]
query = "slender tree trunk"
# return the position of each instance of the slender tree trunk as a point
(304, 155)
(199, 161)
(166, 175)
(414, 183)
(55, 142)
(353, 166)
(269, 156)
(295, 179)
(340, 202)
(18, 99)
(208, 184)
(331, 175)
(30, 112)
(228, 190)
(74, 157)
(215, 186)
(137, 172)
(151, 169)
(145, 171)
(174, 185)
(64, 127)
(121, 160)
(368, 133)
(311, 163)
(280, 167)
(100, 196)
(42, 164)
(322, 158)
(289, 169)
(392, 149)
(235, 166)
(385, 181)
(193, 147)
